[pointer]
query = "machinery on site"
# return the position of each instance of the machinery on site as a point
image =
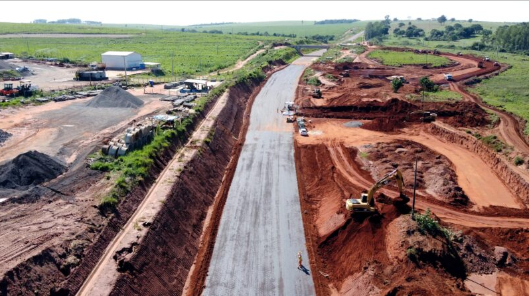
(8, 90)
(448, 77)
(317, 94)
(367, 202)
(480, 64)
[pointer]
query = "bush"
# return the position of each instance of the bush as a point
(396, 84)
(314, 81)
(428, 224)
(518, 160)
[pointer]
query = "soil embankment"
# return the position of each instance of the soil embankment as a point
(153, 269)
(62, 269)
(514, 181)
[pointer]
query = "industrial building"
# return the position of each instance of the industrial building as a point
(118, 60)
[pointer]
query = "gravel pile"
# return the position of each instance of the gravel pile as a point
(353, 124)
(115, 97)
(28, 169)
(7, 66)
(4, 136)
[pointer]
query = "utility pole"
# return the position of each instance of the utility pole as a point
(172, 72)
(125, 68)
(414, 190)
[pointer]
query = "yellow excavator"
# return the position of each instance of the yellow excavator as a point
(367, 203)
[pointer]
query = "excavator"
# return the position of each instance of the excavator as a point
(367, 202)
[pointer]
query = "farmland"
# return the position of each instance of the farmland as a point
(194, 53)
(299, 28)
(392, 58)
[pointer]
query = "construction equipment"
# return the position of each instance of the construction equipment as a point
(480, 64)
(367, 203)
(448, 77)
(290, 119)
(8, 90)
(317, 94)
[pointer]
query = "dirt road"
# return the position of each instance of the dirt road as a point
(483, 187)
(446, 214)
(508, 127)
(261, 229)
(102, 278)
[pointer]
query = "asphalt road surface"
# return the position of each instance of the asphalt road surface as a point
(261, 229)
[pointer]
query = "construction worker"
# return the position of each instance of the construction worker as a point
(299, 259)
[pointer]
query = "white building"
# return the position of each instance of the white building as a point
(117, 60)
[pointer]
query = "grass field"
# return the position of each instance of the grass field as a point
(14, 28)
(300, 28)
(394, 58)
(193, 53)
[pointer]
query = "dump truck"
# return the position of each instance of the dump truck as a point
(317, 94)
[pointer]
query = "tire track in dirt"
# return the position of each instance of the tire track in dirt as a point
(508, 127)
(355, 176)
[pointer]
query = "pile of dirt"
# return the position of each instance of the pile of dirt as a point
(385, 124)
(6, 66)
(4, 136)
(27, 169)
(460, 114)
(435, 172)
(115, 97)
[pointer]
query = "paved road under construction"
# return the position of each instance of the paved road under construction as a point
(261, 229)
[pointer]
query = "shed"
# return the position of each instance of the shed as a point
(118, 60)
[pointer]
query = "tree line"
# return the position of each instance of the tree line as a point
(341, 21)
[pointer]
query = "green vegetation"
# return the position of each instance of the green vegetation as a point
(193, 53)
(412, 254)
(363, 154)
(377, 30)
(518, 160)
(20, 28)
(508, 90)
(396, 84)
(427, 224)
(439, 96)
(395, 58)
(494, 143)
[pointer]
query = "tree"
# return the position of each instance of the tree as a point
(457, 26)
(427, 85)
(419, 19)
(470, 20)
(395, 19)
(452, 19)
(401, 25)
(442, 19)
(477, 28)
(396, 84)
(387, 19)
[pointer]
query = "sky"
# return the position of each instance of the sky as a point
(189, 12)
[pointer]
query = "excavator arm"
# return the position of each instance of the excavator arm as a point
(366, 202)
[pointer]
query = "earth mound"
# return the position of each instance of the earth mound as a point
(115, 97)
(7, 66)
(30, 168)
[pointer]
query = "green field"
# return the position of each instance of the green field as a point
(17, 28)
(395, 58)
(299, 28)
(193, 53)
